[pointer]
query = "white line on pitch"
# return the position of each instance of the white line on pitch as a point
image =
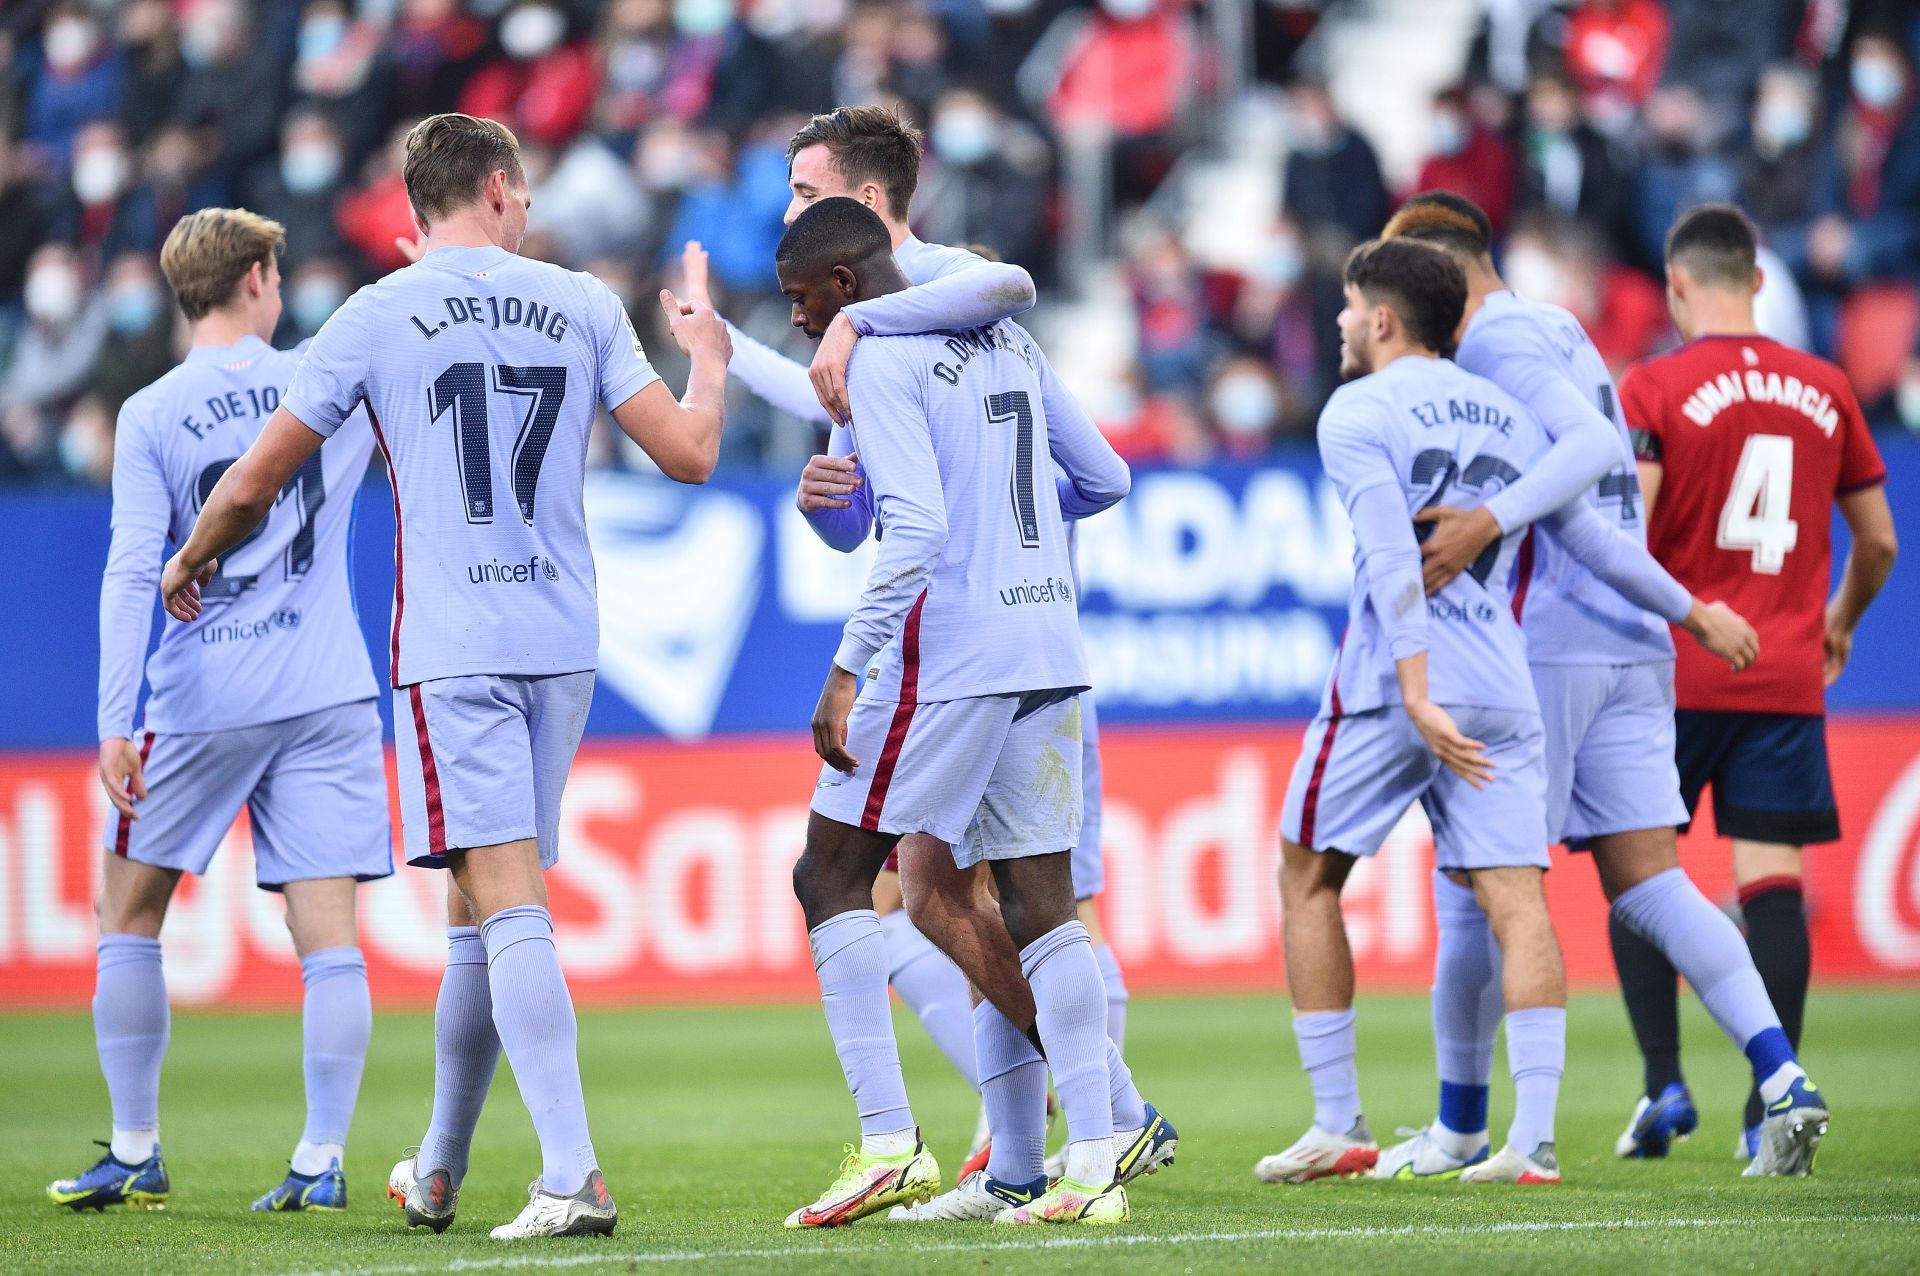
(508, 1262)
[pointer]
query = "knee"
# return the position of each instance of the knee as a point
(1306, 877)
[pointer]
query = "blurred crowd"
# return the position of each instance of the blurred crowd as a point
(1582, 128)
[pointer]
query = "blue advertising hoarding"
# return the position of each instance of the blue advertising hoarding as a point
(1213, 594)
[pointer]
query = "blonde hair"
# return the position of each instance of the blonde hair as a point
(450, 157)
(208, 253)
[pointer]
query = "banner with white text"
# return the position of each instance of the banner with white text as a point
(673, 879)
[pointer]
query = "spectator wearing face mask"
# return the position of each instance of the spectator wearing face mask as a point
(1865, 222)
(986, 182)
(298, 186)
(1282, 307)
(96, 212)
(1867, 193)
(1332, 176)
(338, 65)
(1466, 157)
(732, 203)
(139, 344)
(1782, 156)
(1245, 406)
(543, 85)
(52, 357)
(315, 289)
(80, 81)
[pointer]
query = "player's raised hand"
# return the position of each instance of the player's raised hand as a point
(1454, 539)
(694, 275)
(1464, 757)
(829, 369)
(1724, 632)
(695, 327)
(1838, 645)
(828, 482)
(830, 720)
(180, 587)
(121, 774)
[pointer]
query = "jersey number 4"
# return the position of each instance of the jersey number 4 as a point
(462, 390)
(1758, 515)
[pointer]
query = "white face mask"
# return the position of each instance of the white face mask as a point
(531, 31)
(1245, 405)
(1280, 263)
(964, 136)
(53, 294)
(70, 42)
(310, 167)
(1127, 10)
(666, 166)
(1782, 122)
(1877, 81)
(1534, 274)
(314, 301)
(200, 41)
(100, 175)
(1449, 133)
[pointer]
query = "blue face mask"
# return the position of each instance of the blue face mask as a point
(963, 138)
(131, 311)
(320, 37)
(313, 302)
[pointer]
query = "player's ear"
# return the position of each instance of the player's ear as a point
(1759, 277)
(844, 281)
(872, 196)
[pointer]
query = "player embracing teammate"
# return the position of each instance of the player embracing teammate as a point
(1430, 701)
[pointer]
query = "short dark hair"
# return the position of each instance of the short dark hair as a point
(450, 157)
(1445, 220)
(1715, 244)
(868, 144)
(1421, 284)
(833, 232)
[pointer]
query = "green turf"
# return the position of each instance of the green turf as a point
(712, 1124)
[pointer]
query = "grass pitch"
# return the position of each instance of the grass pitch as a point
(713, 1124)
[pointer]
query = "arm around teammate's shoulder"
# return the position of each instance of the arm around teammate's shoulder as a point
(683, 436)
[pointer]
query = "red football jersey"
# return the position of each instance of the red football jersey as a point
(1757, 439)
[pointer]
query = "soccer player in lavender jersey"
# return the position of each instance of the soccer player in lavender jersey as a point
(266, 700)
(870, 154)
(1604, 673)
(1747, 449)
(1429, 701)
(967, 728)
(480, 371)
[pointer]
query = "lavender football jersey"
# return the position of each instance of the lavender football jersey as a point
(277, 637)
(1436, 435)
(481, 372)
(1571, 617)
(972, 591)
